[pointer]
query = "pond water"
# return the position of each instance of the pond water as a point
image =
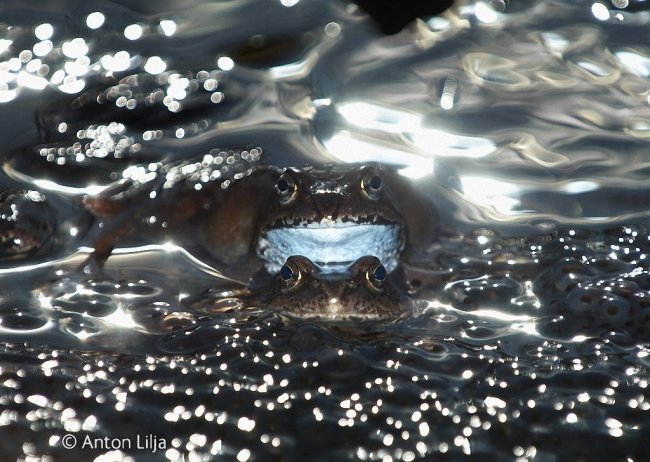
(526, 123)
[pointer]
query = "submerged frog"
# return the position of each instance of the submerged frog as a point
(363, 290)
(33, 225)
(333, 216)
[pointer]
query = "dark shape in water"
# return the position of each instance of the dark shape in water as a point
(393, 16)
(32, 224)
(332, 215)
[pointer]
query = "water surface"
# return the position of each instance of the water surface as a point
(526, 123)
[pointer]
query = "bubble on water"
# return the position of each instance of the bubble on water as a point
(333, 29)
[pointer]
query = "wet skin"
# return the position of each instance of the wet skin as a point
(332, 215)
(363, 290)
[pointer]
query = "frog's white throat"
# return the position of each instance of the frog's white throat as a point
(332, 245)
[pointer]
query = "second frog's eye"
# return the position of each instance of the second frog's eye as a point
(286, 188)
(376, 276)
(371, 185)
(289, 275)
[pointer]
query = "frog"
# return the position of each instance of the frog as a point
(332, 215)
(363, 290)
(34, 225)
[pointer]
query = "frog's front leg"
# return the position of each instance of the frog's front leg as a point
(137, 213)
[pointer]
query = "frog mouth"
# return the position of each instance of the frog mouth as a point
(331, 244)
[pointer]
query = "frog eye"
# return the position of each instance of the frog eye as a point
(289, 275)
(371, 185)
(376, 276)
(286, 188)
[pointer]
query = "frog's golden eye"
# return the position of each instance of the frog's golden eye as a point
(371, 185)
(289, 275)
(286, 188)
(376, 276)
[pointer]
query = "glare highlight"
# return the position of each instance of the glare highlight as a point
(95, 20)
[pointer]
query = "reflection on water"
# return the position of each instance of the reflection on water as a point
(525, 123)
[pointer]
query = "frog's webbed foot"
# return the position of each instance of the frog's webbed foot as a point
(93, 266)
(108, 233)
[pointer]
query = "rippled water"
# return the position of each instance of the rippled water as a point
(526, 123)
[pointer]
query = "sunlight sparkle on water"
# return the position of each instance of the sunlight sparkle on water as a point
(4, 45)
(120, 318)
(600, 11)
(121, 61)
(492, 193)
(225, 63)
(433, 141)
(42, 48)
(348, 148)
(75, 48)
(95, 20)
(168, 27)
(440, 143)
(44, 31)
(379, 117)
(155, 65)
(27, 80)
(294, 70)
(133, 31)
(485, 13)
(72, 86)
(634, 61)
(448, 93)
(57, 77)
(7, 95)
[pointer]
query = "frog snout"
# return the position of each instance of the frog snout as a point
(328, 205)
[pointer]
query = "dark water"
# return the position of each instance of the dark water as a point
(526, 123)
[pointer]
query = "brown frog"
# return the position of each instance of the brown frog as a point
(332, 215)
(363, 290)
